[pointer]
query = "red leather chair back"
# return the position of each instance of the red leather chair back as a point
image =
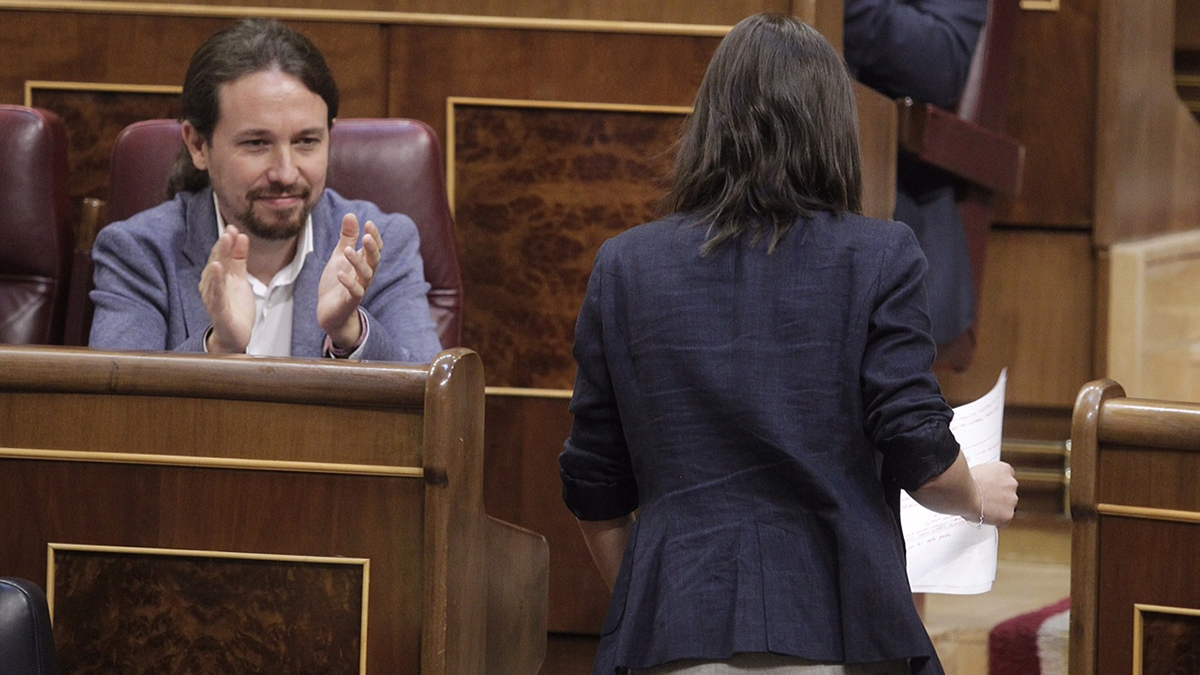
(35, 226)
(395, 163)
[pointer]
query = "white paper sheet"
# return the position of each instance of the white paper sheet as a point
(946, 554)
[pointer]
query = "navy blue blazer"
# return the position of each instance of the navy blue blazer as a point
(923, 49)
(148, 270)
(917, 48)
(761, 412)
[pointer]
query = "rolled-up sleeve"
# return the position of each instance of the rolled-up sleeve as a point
(906, 417)
(595, 466)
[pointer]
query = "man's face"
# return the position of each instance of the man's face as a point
(268, 155)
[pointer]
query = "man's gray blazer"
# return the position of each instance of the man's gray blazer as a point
(148, 270)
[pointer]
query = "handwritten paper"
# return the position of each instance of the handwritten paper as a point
(946, 554)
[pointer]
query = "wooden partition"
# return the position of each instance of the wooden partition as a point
(1113, 157)
(1135, 502)
(246, 515)
(1148, 142)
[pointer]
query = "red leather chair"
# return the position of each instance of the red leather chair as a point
(395, 163)
(35, 226)
(970, 143)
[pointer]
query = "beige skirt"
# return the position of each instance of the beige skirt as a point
(773, 664)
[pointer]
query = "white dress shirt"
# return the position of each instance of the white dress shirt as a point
(272, 332)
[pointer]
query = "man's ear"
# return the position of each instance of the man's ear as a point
(196, 145)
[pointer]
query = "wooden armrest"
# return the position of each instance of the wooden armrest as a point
(91, 217)
(986, 158)
(77, 320)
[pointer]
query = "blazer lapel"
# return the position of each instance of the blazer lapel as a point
(201, 236)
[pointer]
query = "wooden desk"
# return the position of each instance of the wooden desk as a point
(1135, 503)
(251, 515)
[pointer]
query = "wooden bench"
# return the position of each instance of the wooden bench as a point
(237, 514)
(1135, 505)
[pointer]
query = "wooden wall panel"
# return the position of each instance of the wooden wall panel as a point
(1148, 477)
(105, 49)
(534, 65)
(711, 12)
(191, 508)
(430, 64)
(1036, 319)
(1052, 110)
(520, 306)
(96, 48)
(1141, 562)
(1148, 151)
(1155, 310)
(156, 49)
(1187, 25)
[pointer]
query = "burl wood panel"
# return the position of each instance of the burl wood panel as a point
(537, 191)
(522, 486)
(1170, 643)
(1036, 318)
(144, 613)
(1140, 561)
(93, 119)
(373, 517)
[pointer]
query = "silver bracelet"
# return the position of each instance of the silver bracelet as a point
(980, 493)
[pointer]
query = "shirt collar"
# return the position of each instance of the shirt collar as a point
(288, 274)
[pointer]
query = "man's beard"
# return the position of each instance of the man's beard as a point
(252, 224)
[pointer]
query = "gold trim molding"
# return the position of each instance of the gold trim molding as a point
(563, 105)
(366, 16)
(53, 85)
(1147, 513)
(213, 462)
(523, 392)
(364, 563)
(1040, 5)
(1139, 610)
